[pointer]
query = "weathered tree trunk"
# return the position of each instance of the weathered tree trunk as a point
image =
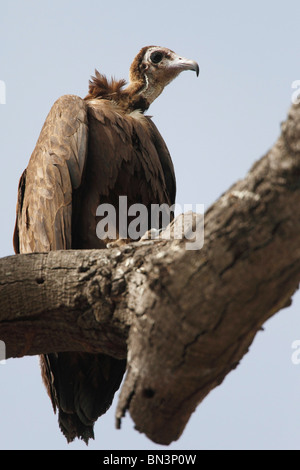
(184, 318)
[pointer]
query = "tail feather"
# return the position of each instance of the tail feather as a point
(81, 387)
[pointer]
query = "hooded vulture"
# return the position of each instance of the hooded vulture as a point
(91, 151)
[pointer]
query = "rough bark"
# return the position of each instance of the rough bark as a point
(184, 318)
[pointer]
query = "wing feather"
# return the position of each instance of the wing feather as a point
(126, 157)
(44, 208)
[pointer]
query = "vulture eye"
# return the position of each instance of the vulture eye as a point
(156, 57)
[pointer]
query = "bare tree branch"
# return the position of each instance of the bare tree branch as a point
(184, 318)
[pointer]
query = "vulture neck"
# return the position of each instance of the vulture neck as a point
(141, 91)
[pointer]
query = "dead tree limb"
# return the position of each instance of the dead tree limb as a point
(183, 318)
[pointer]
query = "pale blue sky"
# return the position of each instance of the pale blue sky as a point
(215, 126)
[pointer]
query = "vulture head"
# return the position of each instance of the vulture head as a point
(155, 67)
(151, 70)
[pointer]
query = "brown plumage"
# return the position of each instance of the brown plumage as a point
(100, 87)
(91, 152)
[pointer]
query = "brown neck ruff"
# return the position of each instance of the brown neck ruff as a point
(128, 99)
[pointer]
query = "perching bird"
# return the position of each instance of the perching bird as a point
(91, 151)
